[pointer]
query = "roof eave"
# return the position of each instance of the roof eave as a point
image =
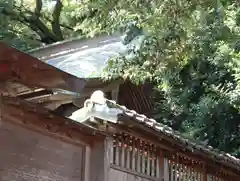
(151, 127)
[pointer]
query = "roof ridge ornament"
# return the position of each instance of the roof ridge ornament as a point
(97, 107)
(98, 97)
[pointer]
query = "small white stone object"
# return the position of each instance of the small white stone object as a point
(98, 97)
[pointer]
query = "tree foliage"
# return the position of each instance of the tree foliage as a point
(31, 23)
(191, 54)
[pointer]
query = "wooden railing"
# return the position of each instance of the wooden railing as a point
(132, 153)
(144, 158)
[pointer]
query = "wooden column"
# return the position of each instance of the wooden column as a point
(101, 157)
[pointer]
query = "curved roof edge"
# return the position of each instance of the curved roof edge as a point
(71, 45)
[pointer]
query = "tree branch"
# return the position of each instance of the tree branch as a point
(42, 16)
(38, 8)
(33, 21)
(36, 24)
(56, 28)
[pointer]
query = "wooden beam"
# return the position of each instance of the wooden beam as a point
(42, 120)
(29, 71)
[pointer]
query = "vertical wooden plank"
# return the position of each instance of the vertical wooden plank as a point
(115, 175)
(98, 169)
(208, 177)
(180, 172)
(153, 166)
(220, 177)
(174, 173)
(127, 151)
(172, 170)
(112, 175)
(87, 163)
(134, 154)
(199, 175)
(143, 158)
(185, 172)
(122, 152)
(153, 161)
(138, 156)
(148, 155)
(166, 169)
(160, 164)
(118, 176)
(176, 168)
(130, 177)
(123, 175)
(108, 155)
(188, 173)
(114, 151)
(117, 151)
(201, 172)
(193, 171)
(205, 177)
(110, 150)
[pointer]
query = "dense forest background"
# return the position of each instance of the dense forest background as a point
(191, 54)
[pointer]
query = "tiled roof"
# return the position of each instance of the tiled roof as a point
(187, 142)
(85, 58)
(110, 110)
(166, 130)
